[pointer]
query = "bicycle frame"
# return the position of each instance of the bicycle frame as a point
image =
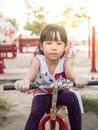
(52, 115)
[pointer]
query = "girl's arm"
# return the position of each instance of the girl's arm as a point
(23, 85)
(68, 70)
(33, 71)
(79, 81)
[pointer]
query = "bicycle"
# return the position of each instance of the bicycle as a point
(52, 114)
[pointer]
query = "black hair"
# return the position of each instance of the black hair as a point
(50, 32)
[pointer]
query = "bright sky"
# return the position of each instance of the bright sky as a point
(16, 8)
(13, 8)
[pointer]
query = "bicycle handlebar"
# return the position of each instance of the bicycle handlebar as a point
(32, 86)
(45, 85)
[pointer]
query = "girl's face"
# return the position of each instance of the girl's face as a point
(53, 50)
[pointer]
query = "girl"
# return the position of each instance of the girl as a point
(48, 66)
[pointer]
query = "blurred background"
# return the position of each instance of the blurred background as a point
(21, 22)
(28, 17)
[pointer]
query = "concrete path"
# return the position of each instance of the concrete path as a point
(17, 68)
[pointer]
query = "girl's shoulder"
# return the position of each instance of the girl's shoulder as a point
(35, 59)
(38, 58)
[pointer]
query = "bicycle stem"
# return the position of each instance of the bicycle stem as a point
(54, 101)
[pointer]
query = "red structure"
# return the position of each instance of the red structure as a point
(93, 68)
(27, 42)
(1, 65)
(59, 119)
(5, 50)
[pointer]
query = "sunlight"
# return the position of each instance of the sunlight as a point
(16, 9)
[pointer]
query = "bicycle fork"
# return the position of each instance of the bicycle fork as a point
(53, 117)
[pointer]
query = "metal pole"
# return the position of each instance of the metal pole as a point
(93, 68)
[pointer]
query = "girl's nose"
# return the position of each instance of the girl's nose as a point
(54, 46)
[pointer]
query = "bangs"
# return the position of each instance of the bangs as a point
(52, 36)
(54, 33)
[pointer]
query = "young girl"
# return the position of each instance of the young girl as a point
(48, 66)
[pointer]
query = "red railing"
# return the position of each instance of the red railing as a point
(27, 42)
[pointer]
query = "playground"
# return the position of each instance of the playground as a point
(15, 117)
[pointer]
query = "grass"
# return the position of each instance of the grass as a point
(3, 105)
(90, 104)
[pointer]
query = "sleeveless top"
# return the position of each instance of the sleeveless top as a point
(45, 77)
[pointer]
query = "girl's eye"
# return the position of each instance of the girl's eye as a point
(48, 42)
(60, 43)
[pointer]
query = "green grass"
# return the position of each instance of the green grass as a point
(90, 104)
(3, 105)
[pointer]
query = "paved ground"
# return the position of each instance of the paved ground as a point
(17, 67)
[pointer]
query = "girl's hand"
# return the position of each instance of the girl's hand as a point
(22, 85)
(81, 81)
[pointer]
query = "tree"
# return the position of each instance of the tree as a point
(1, 15)
(35, 18)
(13, 22)
(72, 17)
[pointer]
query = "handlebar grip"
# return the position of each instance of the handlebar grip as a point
(9, 87)
(12, 87)
(92, 83)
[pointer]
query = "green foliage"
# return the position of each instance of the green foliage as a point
(35, 27)
(73, 16)
(90, 104)
(36, 18)
(13, 21)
